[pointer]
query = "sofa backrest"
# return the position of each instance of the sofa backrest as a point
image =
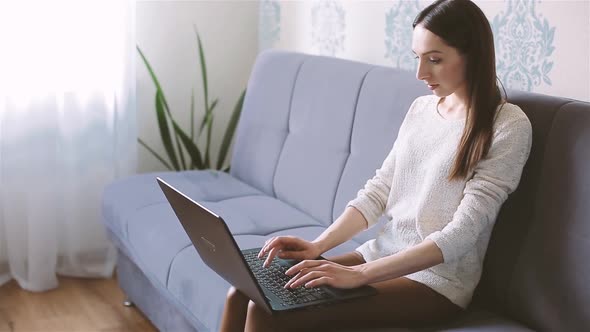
(314, 128)
(536, 269)
(263, 125)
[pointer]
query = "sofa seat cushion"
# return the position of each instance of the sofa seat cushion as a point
(123, 198)
(259, 215)
(203, 292)
(155, 236)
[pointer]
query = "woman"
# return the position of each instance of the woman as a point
(458, 155)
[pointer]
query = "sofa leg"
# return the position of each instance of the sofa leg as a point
(128, 303)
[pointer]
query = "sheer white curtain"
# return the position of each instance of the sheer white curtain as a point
(67, 128)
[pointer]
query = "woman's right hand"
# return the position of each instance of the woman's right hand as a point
(288, 247)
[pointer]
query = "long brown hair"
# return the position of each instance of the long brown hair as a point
(462, 25)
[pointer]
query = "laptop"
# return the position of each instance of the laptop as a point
(242, 268)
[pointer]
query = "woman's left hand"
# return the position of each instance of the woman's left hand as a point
(313, 273)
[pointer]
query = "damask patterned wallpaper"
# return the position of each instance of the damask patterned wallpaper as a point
(541, 45)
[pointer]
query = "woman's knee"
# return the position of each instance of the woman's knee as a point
(254, 309)
(235, 296)
(233, 292)
(258, 319)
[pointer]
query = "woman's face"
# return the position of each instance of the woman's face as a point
(440, 66)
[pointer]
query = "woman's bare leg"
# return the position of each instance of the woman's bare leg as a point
(258, 320)
(234, 312)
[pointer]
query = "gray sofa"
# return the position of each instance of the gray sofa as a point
(312, 131)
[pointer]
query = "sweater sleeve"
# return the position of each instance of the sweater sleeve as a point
(372, 199)
(494, 178)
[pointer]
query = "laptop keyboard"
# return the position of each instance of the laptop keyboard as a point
(274, 279)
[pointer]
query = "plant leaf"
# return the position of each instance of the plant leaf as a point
(192, 122)
(169, 113)
(179, 133)
(208, 142)
(180, 152)
(190, 147)
(192, 114)
(155, 154)
(165, 131)
(206, 118)
(164, 105)
(229, 132)
(209, 122)
(203, 69)
(153, 75)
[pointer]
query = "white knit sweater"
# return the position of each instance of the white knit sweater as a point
(411, 188)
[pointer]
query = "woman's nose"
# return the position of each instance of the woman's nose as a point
(421, 72)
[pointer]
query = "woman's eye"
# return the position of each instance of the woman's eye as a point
(431, 60)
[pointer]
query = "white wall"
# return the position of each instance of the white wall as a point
(229, 32)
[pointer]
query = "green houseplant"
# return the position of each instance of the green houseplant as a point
(181, 147)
